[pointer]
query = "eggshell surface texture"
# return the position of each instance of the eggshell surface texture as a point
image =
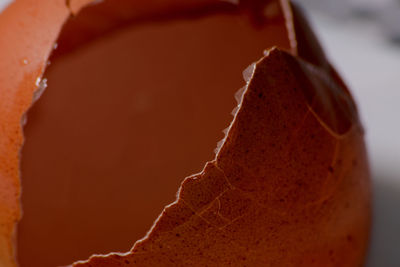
(137, 95)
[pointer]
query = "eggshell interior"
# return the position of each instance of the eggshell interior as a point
(125, 117)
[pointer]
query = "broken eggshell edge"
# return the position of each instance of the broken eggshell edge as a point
(20, 75)
(336, 189)
(311, 51)
(48, 23)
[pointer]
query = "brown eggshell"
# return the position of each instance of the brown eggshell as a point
(287, 188)
(290, 184)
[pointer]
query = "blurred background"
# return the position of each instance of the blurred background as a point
(362, 39)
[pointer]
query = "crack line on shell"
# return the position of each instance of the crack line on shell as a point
(327, 128)
(208, 206)
(216, 199)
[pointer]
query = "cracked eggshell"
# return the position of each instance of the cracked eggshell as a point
(288, 187)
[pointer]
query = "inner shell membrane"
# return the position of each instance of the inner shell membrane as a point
(124, 119)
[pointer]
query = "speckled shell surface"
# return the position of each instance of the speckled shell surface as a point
(288, 187)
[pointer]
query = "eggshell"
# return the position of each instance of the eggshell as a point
(289, 185)
(287, 188)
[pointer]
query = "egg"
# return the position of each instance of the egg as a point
(106, 107)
